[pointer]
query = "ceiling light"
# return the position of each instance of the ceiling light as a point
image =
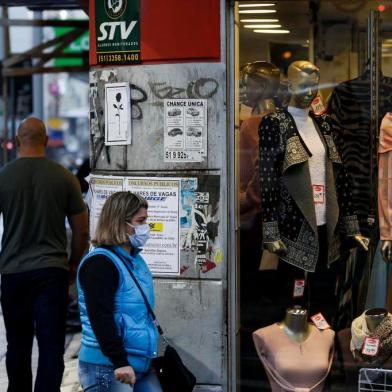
(263, 31)
(263, 26)
(256, 5)
(257, 11)
(259, 20)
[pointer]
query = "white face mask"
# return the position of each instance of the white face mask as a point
(141, 235)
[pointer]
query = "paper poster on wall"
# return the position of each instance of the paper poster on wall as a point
(101, 188)
(185, 131)
(162, 251)
(117, 114)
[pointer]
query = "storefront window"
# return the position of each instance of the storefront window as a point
(314, 81)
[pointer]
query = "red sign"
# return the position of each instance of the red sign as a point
(173, 30)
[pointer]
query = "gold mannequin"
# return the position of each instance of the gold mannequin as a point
(295, 324)
(303, 79)
(259, 84)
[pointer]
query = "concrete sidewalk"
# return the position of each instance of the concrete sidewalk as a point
(70, 379)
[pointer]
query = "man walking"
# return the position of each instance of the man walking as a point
(36, 195)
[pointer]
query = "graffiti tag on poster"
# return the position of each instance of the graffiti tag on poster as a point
(199, 217)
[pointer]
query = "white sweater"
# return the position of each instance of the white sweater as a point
(317, 162)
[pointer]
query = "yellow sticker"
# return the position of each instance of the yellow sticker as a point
(156, 227)
(218, 256)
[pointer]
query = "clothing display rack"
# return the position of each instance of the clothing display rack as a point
(374, 380)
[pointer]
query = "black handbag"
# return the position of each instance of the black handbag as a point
(172, 374)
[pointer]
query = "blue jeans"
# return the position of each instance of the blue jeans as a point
(97, 378)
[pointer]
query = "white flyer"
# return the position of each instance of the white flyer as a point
(101, 188)
(118, 129)
(162, 252)
(185, 131)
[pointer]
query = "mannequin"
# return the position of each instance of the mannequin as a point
(351, 342)
(374, 317)
(295, 354)
(295, 324)
(259, 85)
(384, 187)
(306, 195)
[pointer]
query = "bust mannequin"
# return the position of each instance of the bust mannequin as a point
(374, 317)
(352, 361)
(295, 354)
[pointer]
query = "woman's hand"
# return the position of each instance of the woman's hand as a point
(126, 375)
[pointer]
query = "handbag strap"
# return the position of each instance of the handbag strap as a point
(154, 318)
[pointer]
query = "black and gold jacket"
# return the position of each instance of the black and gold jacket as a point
(287, 197)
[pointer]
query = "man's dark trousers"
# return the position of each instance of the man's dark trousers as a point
(35, 301)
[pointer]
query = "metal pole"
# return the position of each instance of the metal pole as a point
(6, 47)
(374, 57)
(38, 96)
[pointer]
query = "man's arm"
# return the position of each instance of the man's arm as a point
(79, 240)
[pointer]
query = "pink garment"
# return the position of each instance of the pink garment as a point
(385, 179)
(292, 366)
(250, 194)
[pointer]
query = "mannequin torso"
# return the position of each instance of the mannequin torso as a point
(296, 355)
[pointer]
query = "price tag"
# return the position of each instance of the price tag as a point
(318, 106)
(320, 322)
(371, 346)
(299, 288)
(318, 194)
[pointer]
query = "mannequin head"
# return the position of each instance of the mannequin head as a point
(303, 79)
(259, 82)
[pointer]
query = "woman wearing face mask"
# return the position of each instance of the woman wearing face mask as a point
(119, 338)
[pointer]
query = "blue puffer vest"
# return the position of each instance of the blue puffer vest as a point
(134, 323)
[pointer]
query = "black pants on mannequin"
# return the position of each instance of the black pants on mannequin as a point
(320, 293)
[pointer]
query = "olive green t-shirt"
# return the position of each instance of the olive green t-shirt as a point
(36, 195)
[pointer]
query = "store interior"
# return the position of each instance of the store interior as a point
(320, 66)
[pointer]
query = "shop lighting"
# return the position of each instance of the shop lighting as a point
(263, 26)
(256, 5)
(257, 11)
(259, 20)
(263, 31)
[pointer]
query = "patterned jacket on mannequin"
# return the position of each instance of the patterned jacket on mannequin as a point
(287, 197)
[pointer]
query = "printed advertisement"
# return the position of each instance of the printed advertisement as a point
(117, 31)
(162, 251)
(101, 188)
(185, 138)
(117, 114)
